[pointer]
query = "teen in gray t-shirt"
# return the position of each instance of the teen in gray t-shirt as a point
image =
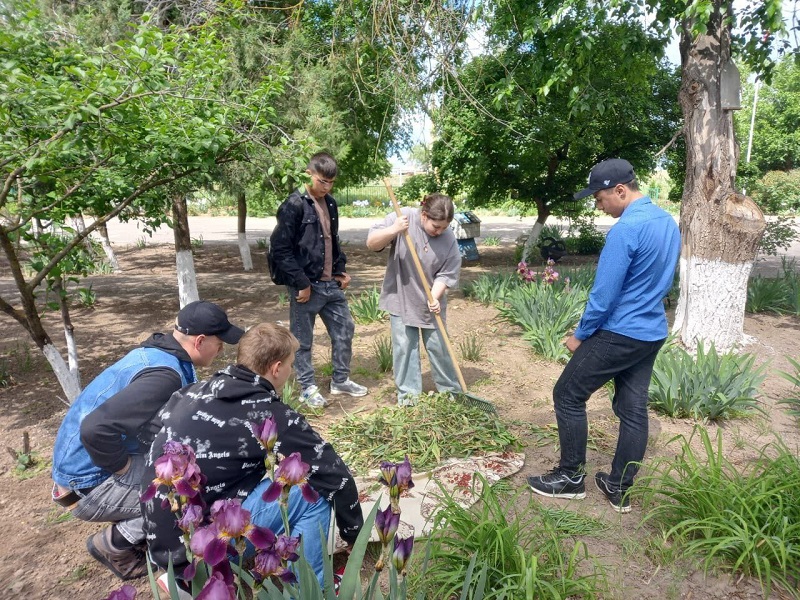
(403, 295)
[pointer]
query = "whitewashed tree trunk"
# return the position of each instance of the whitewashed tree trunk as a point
(244, 250)
(105, 242)
(68, 380)
(720, 229)
(244, 247)
(80, 227)
(187, 278)
(530, 243)
(184, 261)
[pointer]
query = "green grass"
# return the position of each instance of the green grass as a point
(747, 521)
(792, 402)
(382, 348)
(525, 551)
(471, 348)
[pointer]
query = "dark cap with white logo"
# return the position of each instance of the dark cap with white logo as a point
(607, 174)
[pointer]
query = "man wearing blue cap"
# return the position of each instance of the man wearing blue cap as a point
(622, 329)
(98, 457)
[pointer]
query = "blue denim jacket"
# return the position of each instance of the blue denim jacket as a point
(72, 466)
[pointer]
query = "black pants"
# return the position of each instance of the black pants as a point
(601, 358)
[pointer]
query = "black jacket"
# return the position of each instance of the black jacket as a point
(214, 418)
(129, 413)
(296, 246)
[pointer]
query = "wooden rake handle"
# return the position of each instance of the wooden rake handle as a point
(426, 286)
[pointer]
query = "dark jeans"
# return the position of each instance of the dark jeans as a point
(601, 358)
(329, 302)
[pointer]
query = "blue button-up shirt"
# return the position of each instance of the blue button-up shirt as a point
(634, 274)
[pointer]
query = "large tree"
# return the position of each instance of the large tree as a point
(104, 130)
(503, 128)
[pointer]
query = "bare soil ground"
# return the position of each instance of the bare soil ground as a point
(43, 550)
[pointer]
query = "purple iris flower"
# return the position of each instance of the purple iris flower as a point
(386, 523)
(217, 589)
(231, 519)
(126, 592)
(402, 551)
(270, 564)
(291, 471)
(266, 433)
(404, 475)
(286, 547)
(208, 544)
(192, 517)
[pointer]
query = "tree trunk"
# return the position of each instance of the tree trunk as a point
(69, 332)
(105, 242)
(720, 229)
(244, 247)
(184, 261)
(80, 227)
(542, 212)
(32, 323)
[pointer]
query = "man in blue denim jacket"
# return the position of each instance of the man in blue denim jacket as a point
(98, 457)
(306, 257)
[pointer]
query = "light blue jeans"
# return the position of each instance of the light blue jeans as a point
(329, 302)
(305, 520)
(407, 366)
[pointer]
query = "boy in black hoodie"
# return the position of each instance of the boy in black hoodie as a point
(215, 417)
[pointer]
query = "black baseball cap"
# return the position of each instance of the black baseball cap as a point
(607, 174)
(206, 318)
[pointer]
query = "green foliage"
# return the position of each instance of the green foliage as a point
(524, 549)
(583, 237)
(709, 386)
(778, 192)
(415, 188)
(546, 313)
(262, 243)
(792, 402)
(748, 521)
(581, 277)
(365, 308)
(491, 240)
(528, 118)
(436, 428)
(491, 288)
(779, 294)
(382, 347)
(779, 233)
(471, 348)
(87, 296)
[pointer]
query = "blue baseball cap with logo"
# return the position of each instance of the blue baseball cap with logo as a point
(607, 174)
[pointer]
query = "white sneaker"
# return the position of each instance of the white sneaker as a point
(163, 587)
(349, 387)
(313, 398)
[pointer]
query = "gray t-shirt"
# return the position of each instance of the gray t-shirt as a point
(402, 294)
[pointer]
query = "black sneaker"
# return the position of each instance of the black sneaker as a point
(558, 484)
(620, 501)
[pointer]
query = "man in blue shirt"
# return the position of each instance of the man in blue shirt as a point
(621, 331)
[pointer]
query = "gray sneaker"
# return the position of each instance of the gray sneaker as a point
(349, 387)
(125, 563)
(313, 398)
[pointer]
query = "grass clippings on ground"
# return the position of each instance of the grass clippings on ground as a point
(435, 429)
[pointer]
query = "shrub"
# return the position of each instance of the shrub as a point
(584, 237)
(779, 233)
(523, 552)
(779, 192)
(546, 314)
(710, 386)
(365, 308)
(765, 294)
(748, 520)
